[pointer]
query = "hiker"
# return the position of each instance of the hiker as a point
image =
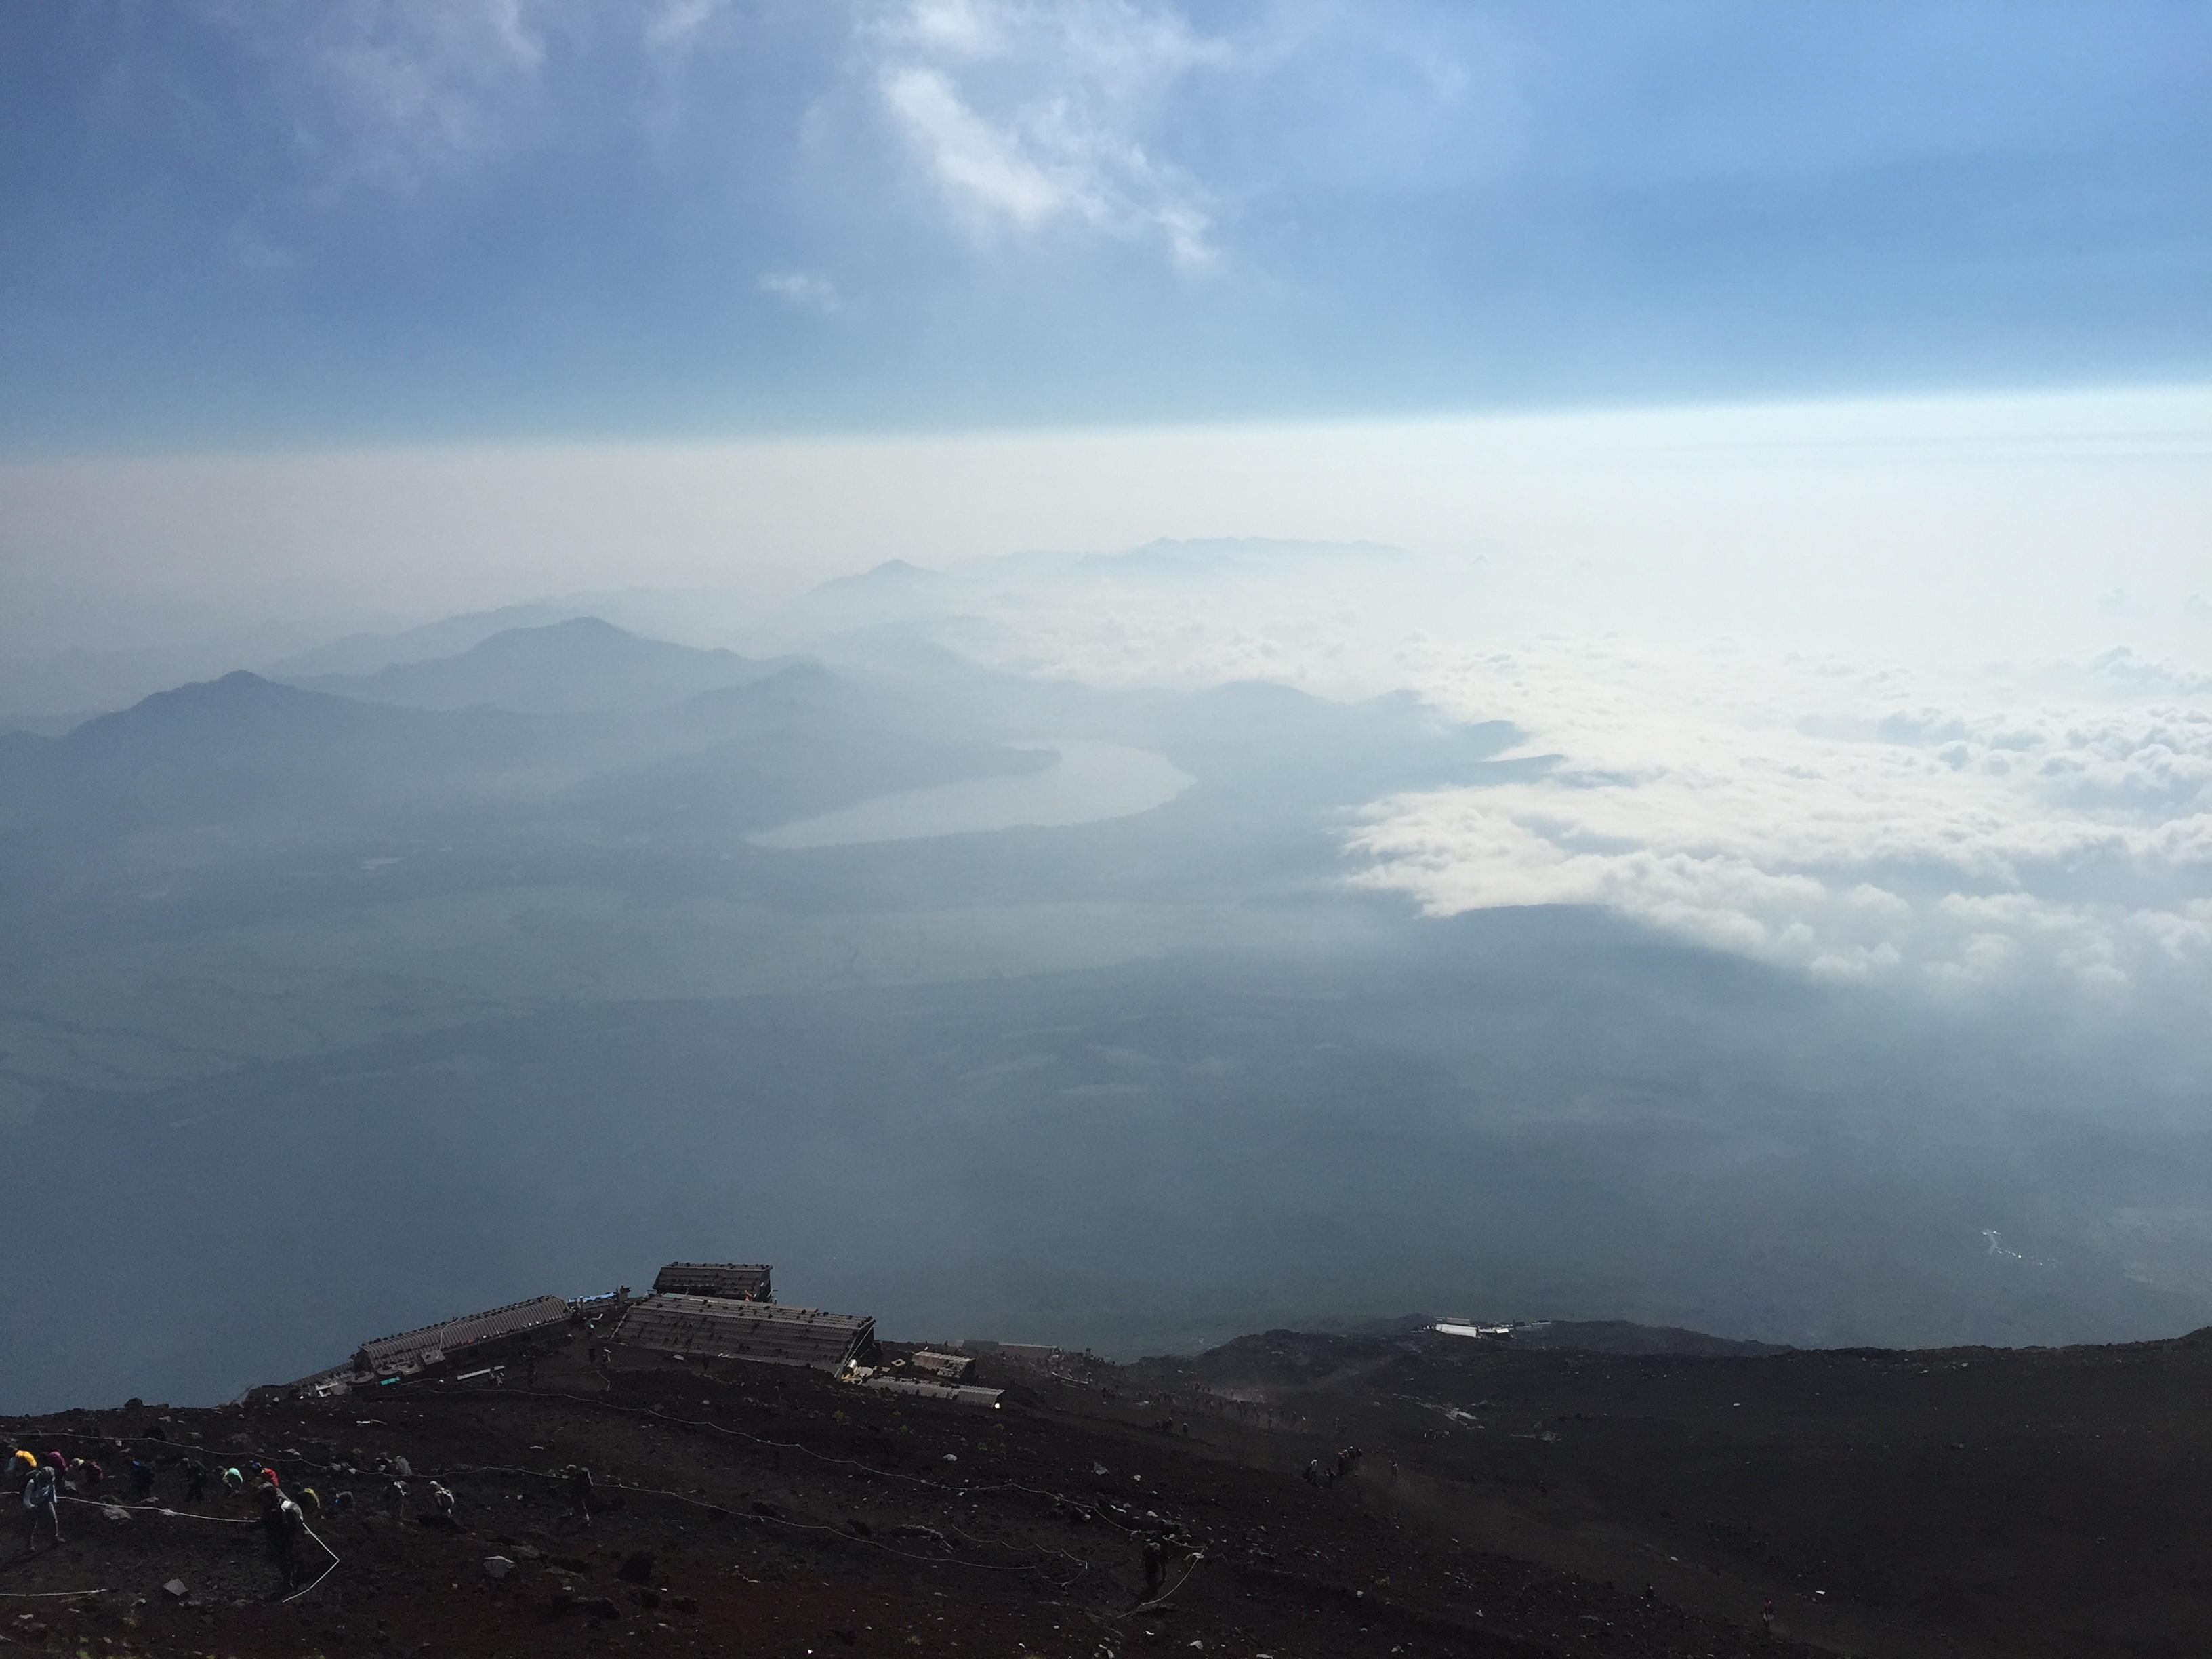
(1156, 1565)
(88, 1475)
(195, 1480)
(291, 1521)
(20, 1468)
(443, 1499)
(530, 1370)
(42, 1497)
(342, 1503)
(578, 1480)
(280, 1521)
(141, 1478)
(314, 1501)
(395, 1498)
(1766, 1618)
(233, 1480)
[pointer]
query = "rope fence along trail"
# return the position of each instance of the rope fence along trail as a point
(1096, 1511)
(213, 1520)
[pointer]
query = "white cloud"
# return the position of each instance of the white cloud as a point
(975, 160)
(801, 287)
(394, 93)
(398, 95)
(1969, 841)
(1025, 116)
(678, 22)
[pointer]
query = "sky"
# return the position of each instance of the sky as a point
(1795, 417)
(232, 225)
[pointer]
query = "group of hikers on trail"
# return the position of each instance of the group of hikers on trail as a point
(43, 1482)
(1316, 1474)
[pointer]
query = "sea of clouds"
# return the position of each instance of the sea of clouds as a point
(1954, 821)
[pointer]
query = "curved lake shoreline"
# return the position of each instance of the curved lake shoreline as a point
(1088, 783)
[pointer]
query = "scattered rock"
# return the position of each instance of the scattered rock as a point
(683, 1604)
(497, 1566)
(175, 1590)
(637, 1570)
(602, 1608)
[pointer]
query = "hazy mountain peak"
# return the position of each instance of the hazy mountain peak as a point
(238, 693)
(365, 653)
(891, 573)
(581, 665)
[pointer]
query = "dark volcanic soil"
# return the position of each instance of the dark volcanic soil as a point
(1508, 1502)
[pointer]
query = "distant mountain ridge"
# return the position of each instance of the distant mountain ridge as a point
(365, 653)
(576, 666)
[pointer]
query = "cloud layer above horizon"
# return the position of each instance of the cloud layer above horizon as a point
(236, 222)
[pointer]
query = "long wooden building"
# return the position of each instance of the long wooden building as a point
(733, 1281)
(705, 1327)
(495, 1335)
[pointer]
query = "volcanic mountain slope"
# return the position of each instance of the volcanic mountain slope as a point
(2023, 1502)
(773, 1511)
(1511, 1500)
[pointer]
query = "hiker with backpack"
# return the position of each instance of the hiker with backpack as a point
(42, 1497)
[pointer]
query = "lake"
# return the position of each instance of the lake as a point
(1088, 783)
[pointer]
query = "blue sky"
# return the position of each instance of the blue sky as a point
(236, 225)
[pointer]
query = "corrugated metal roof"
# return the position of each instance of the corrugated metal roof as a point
(416, 1345)
(713, 1326)
(962, 1393)
(944, 1367)
(738, 1281)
